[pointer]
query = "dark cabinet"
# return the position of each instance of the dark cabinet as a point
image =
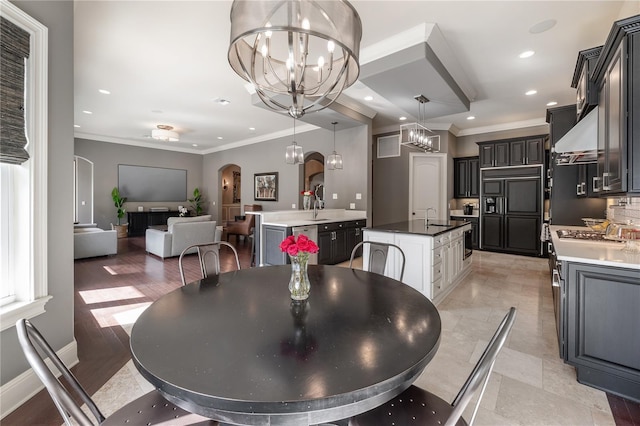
(332, 243)
(586, 90)
(354, 236)
(467, 177)
(475, 229)
(516, 152)
(586, 185)
(140, 221)
(617, 76)
(602, 320)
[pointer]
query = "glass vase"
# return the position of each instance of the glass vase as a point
(306, 202)
(299, 285)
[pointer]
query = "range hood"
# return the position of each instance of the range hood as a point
(580, 144)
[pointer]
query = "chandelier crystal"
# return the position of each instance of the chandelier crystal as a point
(417, 135)
(299, 55)
(334, 161)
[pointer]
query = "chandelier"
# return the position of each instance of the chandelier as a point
(299, 55)
(417, 135)
(165, 133)
(334, 161)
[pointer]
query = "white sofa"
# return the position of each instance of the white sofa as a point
(89, 241)
(181, 232)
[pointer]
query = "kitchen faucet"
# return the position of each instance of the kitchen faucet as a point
(426, 221)
(316, 205)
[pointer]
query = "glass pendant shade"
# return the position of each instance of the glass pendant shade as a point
(294, 154)
(334, 161)
(299, 55)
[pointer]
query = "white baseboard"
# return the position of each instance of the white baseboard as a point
(19, 390)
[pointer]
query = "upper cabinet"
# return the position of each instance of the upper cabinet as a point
(467, 177)
(586, 90)
(514, 152)
(617, 78)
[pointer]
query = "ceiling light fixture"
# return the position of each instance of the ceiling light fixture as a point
(471, 117)
(527, 54)
(368, 98)
(294, 154)
(334, 161)
(417, 134)
(531, 92)
(403, 118)
(552, 103)
(299, 55)
(104, 91)
(165, 133)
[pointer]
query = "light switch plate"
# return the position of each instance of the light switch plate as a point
(213, 203)
(358, 196)
(352, 206)
(293, 206)
(335, 196)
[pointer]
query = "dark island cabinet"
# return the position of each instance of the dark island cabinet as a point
(467, 177)
(602, 320)
(475, 229)
(514, 152)
(617, 76)
(140, 221)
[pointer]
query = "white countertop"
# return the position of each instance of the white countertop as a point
(608, 253)
(290, 218)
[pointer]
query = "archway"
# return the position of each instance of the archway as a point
(230, 192)
(314, 174)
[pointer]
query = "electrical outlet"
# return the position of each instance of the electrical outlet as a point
(293, 206)
(358, 196)
(352, 206)
(84, 203)
(335, 196)
(213, 203)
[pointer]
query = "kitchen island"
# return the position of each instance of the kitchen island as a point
(596, 286)
(436, 259)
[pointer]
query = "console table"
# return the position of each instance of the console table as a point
(140, 221)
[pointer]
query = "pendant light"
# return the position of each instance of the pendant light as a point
(334, 161)
(294, 154)
(417, 135)
(299, 55)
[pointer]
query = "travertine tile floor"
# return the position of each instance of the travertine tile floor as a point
(530, 385)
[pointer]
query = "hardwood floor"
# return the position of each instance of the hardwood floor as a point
(132, 278)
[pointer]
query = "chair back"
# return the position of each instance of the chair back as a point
(378, 253)
(208, 258)
(30, 338)
(479, 376)
(250, 217)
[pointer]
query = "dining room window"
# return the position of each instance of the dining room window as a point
(23, 167)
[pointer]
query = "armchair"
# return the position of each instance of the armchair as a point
(243, 227)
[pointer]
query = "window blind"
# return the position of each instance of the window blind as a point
(14, 50)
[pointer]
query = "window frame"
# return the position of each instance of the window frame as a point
(33, 295)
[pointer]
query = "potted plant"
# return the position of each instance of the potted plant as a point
(196, 201)
(119, 201)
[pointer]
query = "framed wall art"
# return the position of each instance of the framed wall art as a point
(265, 186)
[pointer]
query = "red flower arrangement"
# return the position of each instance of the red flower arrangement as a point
(302, 246)
(307, 193)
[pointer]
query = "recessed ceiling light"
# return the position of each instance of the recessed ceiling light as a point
(402, 118)
(543, 26)
(104, 92)
(87, 112)
(219, 137)
(194, 144)
(368, 98)
(223, 102)
(471, 117)
(531, 92)
(527, 54)
(76, 125)
(552, 103)
(252, 128)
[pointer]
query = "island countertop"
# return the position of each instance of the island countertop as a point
(417, 226)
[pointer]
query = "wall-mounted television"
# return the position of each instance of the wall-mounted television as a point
(142, 183)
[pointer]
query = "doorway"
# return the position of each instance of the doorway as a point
(231, 192)
(314, 175)
(428, 186)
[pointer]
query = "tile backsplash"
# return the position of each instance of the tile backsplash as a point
(624, 209)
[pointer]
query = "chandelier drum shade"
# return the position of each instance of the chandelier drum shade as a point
(165, 133)
(299, 55)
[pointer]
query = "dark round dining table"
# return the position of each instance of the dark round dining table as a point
(237, 349)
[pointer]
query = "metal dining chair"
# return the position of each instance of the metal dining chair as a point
(150, 408)
(378, 256)
(417, 406)
(208, 256)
